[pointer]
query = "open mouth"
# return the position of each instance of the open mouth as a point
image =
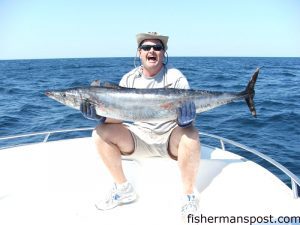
(151, 58)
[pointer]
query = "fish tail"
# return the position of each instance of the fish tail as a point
(249, 92)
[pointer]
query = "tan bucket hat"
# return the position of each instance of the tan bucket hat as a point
(152, 35)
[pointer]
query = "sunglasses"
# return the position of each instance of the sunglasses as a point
(155, 47)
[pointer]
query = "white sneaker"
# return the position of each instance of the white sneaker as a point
(118, 196)
(190, 206)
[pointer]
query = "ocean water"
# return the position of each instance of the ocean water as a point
(275, 132)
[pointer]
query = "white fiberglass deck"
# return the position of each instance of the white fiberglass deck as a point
(59, 182)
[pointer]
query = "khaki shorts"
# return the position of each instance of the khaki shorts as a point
(148, 143)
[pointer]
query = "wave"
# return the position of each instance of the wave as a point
(31, 109)
(289, 74)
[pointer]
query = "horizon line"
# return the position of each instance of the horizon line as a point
(12, 59)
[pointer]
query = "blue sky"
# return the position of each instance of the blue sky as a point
(97, 28)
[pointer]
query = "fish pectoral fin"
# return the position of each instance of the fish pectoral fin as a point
(96, 104)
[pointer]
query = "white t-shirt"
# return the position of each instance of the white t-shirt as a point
(167, 77)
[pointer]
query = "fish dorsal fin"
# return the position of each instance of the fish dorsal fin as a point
(95, 83)
(110, 85)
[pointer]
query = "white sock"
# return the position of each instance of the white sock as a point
(122, 186)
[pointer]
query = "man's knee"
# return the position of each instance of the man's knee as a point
(185, 138)
(190, 138)
(116, 134)
(102, 132)
(189, 134)
(192, 132)
(106, 132)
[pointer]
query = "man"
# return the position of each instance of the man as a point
(176, 139)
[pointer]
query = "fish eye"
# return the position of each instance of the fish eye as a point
(63, 95)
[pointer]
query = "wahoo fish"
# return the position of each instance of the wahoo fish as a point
(149, 105)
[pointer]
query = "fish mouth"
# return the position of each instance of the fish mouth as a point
(54, 95)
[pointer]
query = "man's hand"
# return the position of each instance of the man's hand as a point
(186, 114)
(88, 111)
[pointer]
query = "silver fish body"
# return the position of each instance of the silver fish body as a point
(149, 105)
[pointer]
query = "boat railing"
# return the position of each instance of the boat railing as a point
(45, 133)
(295, 181)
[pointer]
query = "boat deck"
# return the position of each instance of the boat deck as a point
(59, 182)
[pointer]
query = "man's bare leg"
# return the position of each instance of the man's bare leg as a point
(184, 143)
(111, 140)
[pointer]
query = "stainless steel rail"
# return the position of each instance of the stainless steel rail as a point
(45, 133)
(295, 181)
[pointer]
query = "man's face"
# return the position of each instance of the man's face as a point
(152, 59)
